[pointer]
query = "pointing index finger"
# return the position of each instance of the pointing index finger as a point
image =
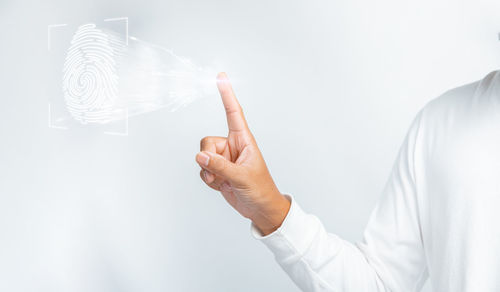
(234, 113)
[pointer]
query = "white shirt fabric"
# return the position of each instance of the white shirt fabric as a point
(438, 217)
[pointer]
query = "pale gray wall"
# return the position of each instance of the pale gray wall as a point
(329, 89)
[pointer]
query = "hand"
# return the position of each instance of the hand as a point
(234, 166)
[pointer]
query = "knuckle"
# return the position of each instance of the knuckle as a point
(231, 109)
(204, 142)
(220, 164)
(223, 166)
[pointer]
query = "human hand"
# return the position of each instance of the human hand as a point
(234, 166)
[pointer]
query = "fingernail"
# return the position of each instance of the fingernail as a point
(209, 177)
(202, 159)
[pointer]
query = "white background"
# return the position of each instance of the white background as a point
(329, 89)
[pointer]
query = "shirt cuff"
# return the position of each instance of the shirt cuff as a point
(295, 234)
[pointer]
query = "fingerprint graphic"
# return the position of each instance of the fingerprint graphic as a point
(109, 76)
(90, 80)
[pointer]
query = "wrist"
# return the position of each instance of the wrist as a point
(270, 214)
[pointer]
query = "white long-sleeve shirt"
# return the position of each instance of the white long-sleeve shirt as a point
(438, 217)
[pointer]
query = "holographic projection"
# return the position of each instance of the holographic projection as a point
(109, 76)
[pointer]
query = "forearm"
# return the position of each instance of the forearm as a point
(271, 213)
(317, 260)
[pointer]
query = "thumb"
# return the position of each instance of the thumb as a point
(217, 164)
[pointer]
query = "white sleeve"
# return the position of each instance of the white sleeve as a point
(389, 258)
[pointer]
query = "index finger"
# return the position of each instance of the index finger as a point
(234, 113)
